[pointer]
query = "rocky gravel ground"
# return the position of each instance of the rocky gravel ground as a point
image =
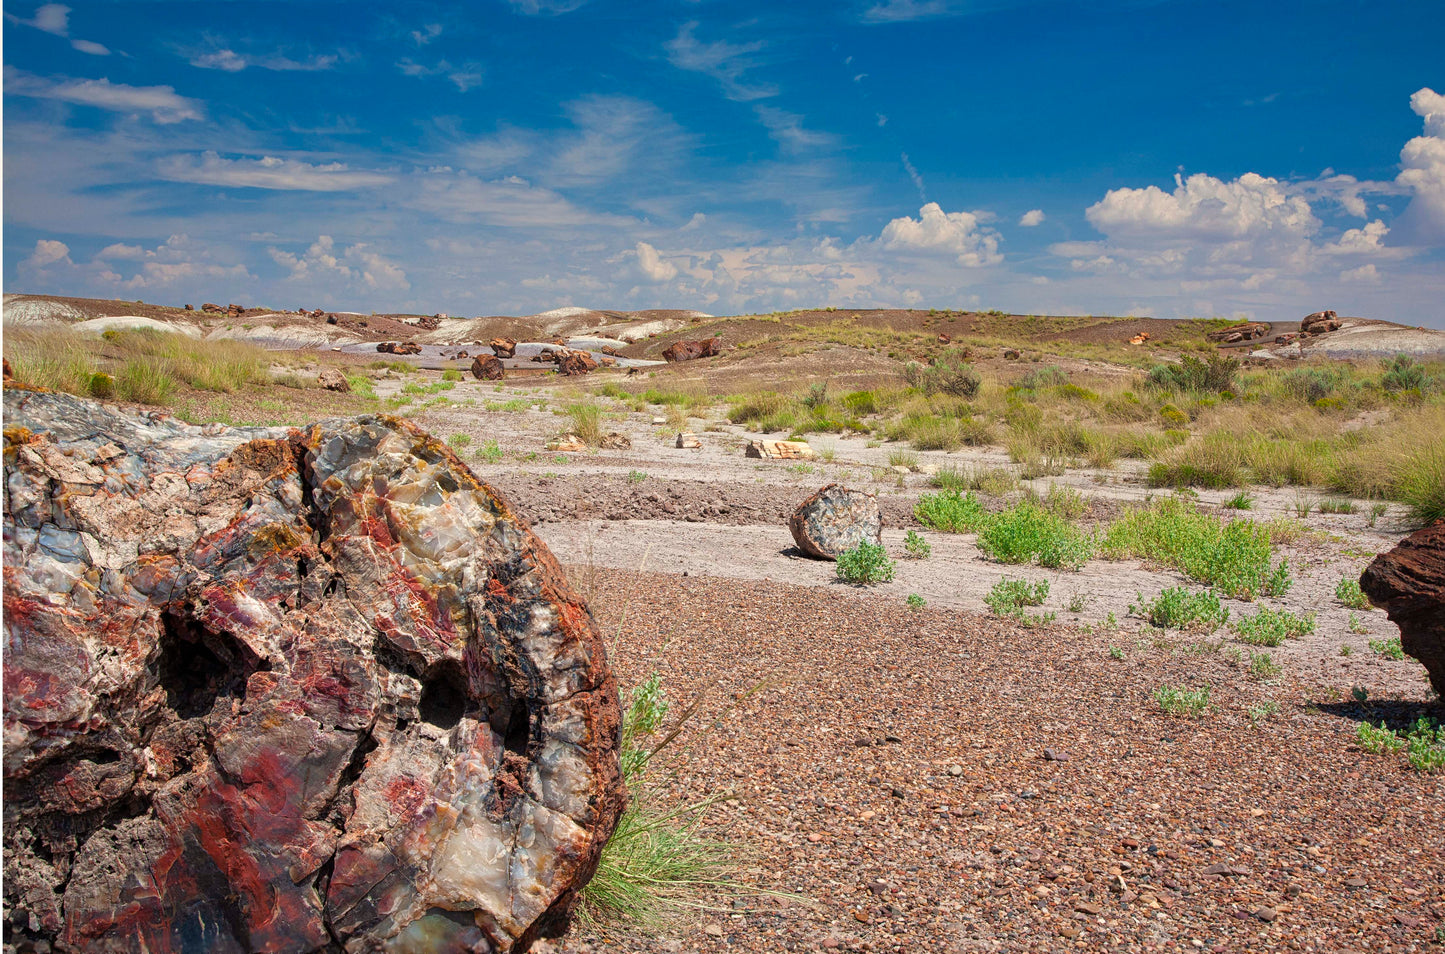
(940, 781)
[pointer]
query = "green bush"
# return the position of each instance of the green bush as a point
(1215, 373)
(1028, 532)
(1388, 648)
(1423, 743)
(865, 564)
(1232, 557)
(1009, 597)
(1269, 627)
(1037, 379)
(1403, 374)
(949, 373)
(1178, 608)
(1177, 701)
(1349, 593)
(915, 547)
(950, 511)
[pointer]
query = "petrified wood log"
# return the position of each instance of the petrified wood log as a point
(503, 347)
(692, 350)
(488, 367)
(287, 690)
(836, 519)
(1409, 582)
(780, 450)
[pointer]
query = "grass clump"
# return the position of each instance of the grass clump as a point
(1263, 667)
(1269, 627)
(915, 602)
(949, 373)
(1348, 592)
(994, 481)
(915, 547)
(490, 452)
(1388, 648)
(1232, 557)
(1009, 597)
(1423, 743)
(1181, 702)
(1178, 608)
(865, 564)
(950, 511)
(586, 420)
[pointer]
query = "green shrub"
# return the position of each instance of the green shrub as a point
(451, 374)
(865, 564)
(145, 381)
(1214, 373)
(459, 440)
(1028, 532)
(1388, 648)
(1178, 701)
(915, 547)
(950, 512)
(1423, 743)
(1009, 597)
(1269, 627)
(915, 602)
(1240, 501)
(490, 452)
(1233, 557)
(1178, 608)
(101, 386)
(586, 422)
(1348, 592)
(1403, 374)
(949, 373)
(1037, 379)
(860, 403)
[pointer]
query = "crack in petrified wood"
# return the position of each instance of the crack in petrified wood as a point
(287, 691)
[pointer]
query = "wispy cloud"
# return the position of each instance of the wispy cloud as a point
(787, 128)
(545, 8)
(227, 59)
(464, 77)
(898, 11)
(161, 102)
(268, 172)
(428, 32)
(723, 61)
(54, 18)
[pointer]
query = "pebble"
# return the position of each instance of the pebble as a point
(712, 930)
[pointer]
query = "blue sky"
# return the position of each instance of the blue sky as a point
(1121, 156)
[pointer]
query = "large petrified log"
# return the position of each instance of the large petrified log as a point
(692, 350)
(488, 367)
(287, 690)
(836, 519)
(1409, 582)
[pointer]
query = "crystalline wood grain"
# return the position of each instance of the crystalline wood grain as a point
(287, 690)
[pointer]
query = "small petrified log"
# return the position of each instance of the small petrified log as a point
(333, 380)
(291, 690)
(398, 347)
(1244, 331)
(615, 441)
(503, 347)
(488, 367)
(780, 450)
(836, 519)
(692, 350)
(572, 363)
(1409, 582)
(688, 440)
(569, 443)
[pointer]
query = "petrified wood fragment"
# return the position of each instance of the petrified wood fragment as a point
(692, 350)
(488, 367)
(287, 690)
(836, 519)
(1409, 582)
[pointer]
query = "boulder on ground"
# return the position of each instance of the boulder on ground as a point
(1244, 331)
(836, 519)
(488, 367)
(1319, 323)
(568, 443)
(1011, 354)
(609, 350)
(572, 363)
(503, 347)
(212, 308)
(944, 338)
(688, 440)
(692, 350)
(615, 441)
(781, 450)
(287, 689)
(399, 347)
(333, 380)
(1409, 582)
(190, 307)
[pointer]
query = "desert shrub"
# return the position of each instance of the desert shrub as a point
(490, 452)
(915, 547)
(586, 422)
(451, 374)
(1403, 374)
(865, 564)
(1233, 557)
(1390, 648)
(1214, 460)
(1215, 373)
(1178, 608)
(1423, 743)
(950, 511)
(949, 373)
(1028, 532)
(1008, 597)
(1312, 385)
(1178, 701)
(1269, 627)
(995, 481)
(860, 403)
(1404, 460)
(145, 381)
(1037, 379)
(756, 407)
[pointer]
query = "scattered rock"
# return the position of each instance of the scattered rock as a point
(504, 347)
(1319, 323)
(1054, 755)
(190, 307)
(569, 443)
(399, 347)
(836, 519)
(1244, 331)
(615, 441)
(609, 350)
(212, 308)
(488, 367)
(1409, 582)
(659, 420)
(572, 363)
(343, 698)
(9, 375)
(1011, 354)
(688, 440)
(943, 338)
(333, 380)
(781, 450)
(692, 350)
(1226, 871)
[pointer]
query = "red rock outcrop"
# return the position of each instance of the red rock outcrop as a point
(1409, 582)
(692, 350)
(287, 690)
(836, 519)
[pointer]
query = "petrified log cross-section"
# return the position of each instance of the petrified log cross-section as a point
(271, 690)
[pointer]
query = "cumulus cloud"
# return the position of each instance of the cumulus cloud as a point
(723, 61)
(54, 18)
(268, 172)
(47, 252)
(120, 250)
(323, 261)
(161, 102)
(1031, 218)
(1423, 159)
(428, 32)
(1366, 274)
(936, 231)
(1204, 207)
(651, 265)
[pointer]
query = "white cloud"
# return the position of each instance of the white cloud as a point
(1423, 158)
(899, 11)
(545, 8)
(47, 252)
(723, 61)
(1204, 207)
(954, 233)
(91, 47)
(651, 265)
(915, 176)
(357, 264)
(464, 77)
(1031, 218)
(268, 172)
(161, 102)
(1365, 274)
(428, 32)
(787, 129)
(508, 202)
(120, 250)
(54, 18)
(232, 62)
